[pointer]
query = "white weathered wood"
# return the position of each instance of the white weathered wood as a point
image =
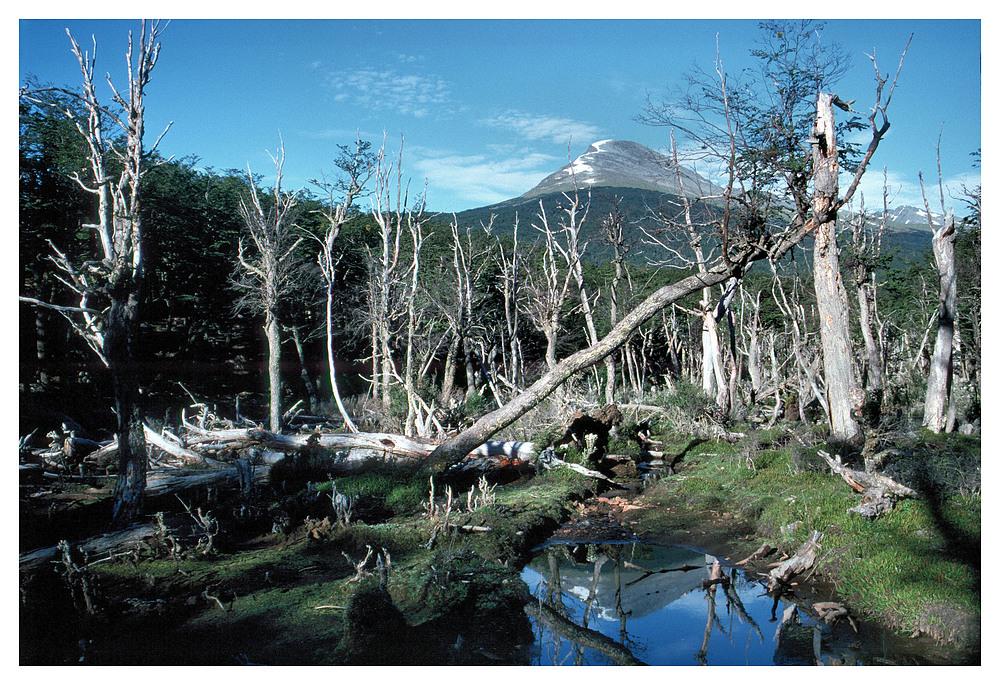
(803, 560)
(831, 295)
(939, 377)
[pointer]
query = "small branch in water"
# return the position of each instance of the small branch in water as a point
(647, 573)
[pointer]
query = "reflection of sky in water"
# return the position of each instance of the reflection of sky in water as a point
(670, 612)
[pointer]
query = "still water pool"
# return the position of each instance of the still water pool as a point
(600, 603)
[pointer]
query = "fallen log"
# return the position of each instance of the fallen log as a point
(100, 547)
(389, 447)
(880, 492)
(167, 481)
(107, 453)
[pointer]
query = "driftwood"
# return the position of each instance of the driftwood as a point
(803, 560)
(880, 492)
(716, 576)
(585, 637)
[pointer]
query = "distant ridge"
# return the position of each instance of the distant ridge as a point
(637, 179)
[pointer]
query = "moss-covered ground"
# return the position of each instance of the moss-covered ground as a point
(440, 584)
(404, 578)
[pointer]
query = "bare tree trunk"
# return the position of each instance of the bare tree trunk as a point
(448, 383)
(111, 333)
(330, 359)
(511, 286)
(273, 333)
(831, 296)
(752, 351)
(266, 275)
(311, 392)
(412, 318)
(357, 164)
(130, 484)
(875, 382)
(940, 377)
(548, 291)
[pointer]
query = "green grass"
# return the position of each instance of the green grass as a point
(924, 552)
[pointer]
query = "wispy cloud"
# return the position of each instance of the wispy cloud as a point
(479, 179)
(410, 94)
(558, 130)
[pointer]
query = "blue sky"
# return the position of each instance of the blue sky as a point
(487, 108)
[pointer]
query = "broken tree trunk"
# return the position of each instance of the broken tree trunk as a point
(939, 378)
(831, 295)
(803, 560)
(597, 423)
(880, 492)
(108, 452)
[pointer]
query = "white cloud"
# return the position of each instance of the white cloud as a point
(558, 130)
(410, 94)
(476, 180)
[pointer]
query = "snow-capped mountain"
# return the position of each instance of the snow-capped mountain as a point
(622, 164)
(914, 218)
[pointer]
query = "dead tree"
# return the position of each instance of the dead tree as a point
(575, 215)
(357, 165)
(110, 287)
(938, 412)
(831, 297)
(739, 252)
(547, 289)
(613, 234)
(807, 363)
(264, 276)
(393, 213)
(867, 244)
(510, 267)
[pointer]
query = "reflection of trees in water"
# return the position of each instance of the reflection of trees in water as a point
(581, 637)
(571, 581)
(583, 584)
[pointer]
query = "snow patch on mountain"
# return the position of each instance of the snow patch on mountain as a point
(624, 164)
